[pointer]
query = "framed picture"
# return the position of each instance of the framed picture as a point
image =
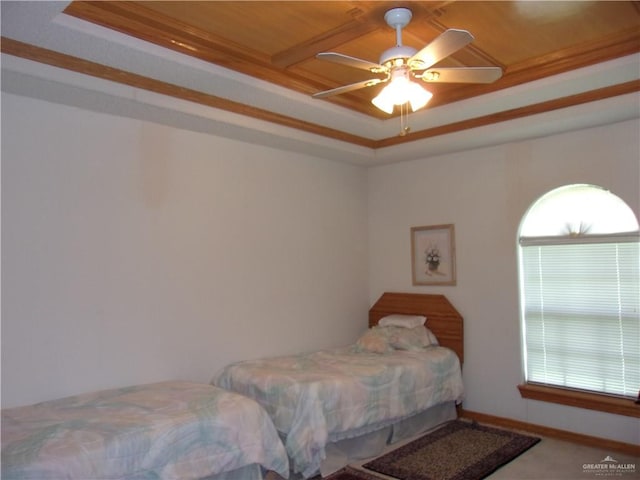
(433, 255)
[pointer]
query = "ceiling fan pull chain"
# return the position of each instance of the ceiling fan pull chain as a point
(404, 119)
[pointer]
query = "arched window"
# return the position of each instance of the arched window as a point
(580, 292)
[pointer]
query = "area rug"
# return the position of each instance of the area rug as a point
(460, 450)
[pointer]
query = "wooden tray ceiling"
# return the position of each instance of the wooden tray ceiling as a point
(277, 41)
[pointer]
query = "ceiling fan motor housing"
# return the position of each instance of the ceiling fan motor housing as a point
(397, 18)
(401, 52)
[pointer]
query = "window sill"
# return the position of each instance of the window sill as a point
(573, 398)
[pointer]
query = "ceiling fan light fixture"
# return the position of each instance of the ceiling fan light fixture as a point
(401, 90)
(418, 96)
(404, 66)
(431, 76)
(383, 102)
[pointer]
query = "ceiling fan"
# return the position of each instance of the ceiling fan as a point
(402, 64)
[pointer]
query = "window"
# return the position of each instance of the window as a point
(580, 292)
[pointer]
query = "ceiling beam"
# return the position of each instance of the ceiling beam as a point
(360, 25)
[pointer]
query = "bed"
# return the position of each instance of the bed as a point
(168, 430)
(336, 405)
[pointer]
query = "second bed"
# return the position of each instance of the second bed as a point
(335, 405)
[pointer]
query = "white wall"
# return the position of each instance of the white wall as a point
(485, 194)
(134, 252)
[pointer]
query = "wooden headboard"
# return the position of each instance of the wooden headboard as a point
(442, 318)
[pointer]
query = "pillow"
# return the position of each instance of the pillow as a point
(402, 338)
(373, 341)
(433, 340)
(386, 339)
(405, 321)
(416, 338)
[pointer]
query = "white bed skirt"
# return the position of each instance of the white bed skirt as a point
(248, 472)
(354, 446)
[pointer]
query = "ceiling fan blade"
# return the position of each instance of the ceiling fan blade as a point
(349, 88)
(461, 75)
(445, 44)
(351, 61)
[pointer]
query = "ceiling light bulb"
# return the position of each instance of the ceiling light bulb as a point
(383, 101)
(418, 96)
(431, 76)
(401, 90)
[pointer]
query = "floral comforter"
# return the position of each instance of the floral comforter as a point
(168, 430)
(313, 396)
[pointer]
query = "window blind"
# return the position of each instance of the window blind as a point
(581, 310)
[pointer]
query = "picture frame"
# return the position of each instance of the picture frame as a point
(433, 255)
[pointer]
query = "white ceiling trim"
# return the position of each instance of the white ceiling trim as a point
(32, 79)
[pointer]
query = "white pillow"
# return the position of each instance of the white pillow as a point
(433, 340)
(406, 321)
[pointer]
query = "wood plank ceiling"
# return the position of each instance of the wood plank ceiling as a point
(277, 41)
